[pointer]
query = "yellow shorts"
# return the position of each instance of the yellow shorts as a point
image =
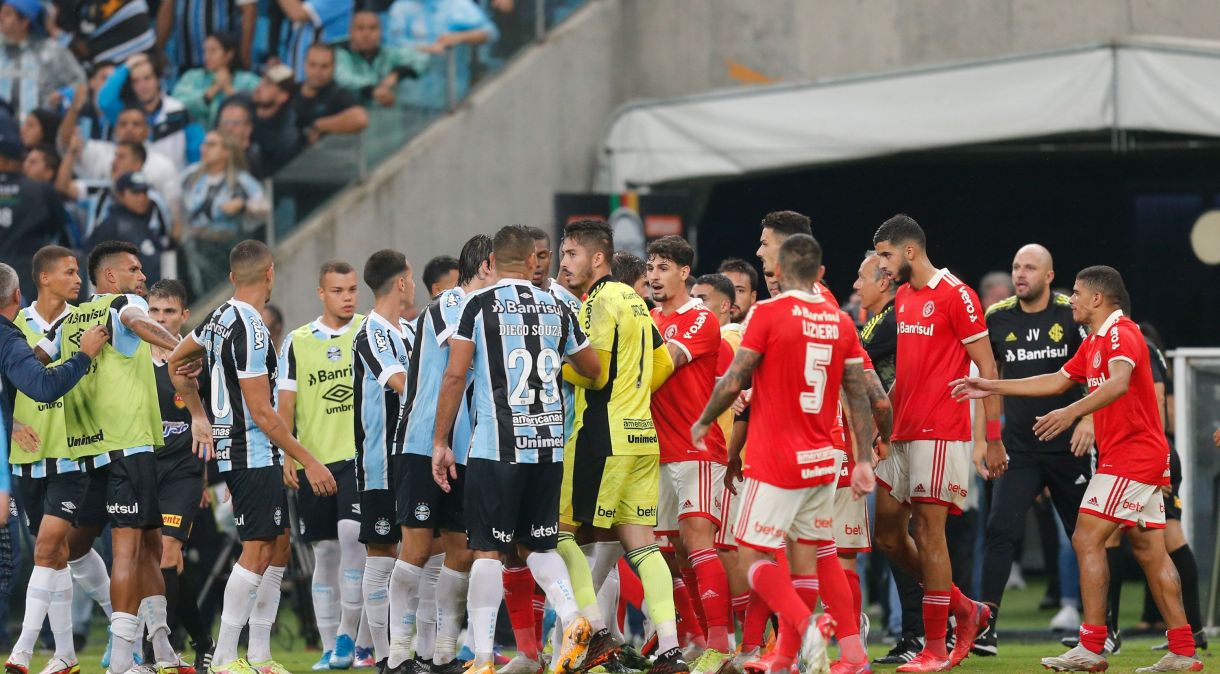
(609, 490)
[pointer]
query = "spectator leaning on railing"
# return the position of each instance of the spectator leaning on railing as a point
(137, 83)
(370, 70)
(32, 66)
(203, 90)
(276, 131)
(323, 107)
(432, 26)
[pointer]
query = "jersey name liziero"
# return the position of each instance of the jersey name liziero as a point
(680, 401)
(521, 335)
(238, 346)
(1130, 441)
(935, 323)
(805, 343)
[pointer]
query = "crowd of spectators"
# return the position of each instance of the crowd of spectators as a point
(156, 121)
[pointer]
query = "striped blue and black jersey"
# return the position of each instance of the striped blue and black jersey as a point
(569, 391)
(238, 346)
(380, 352)
(434, 327)
(521, 335)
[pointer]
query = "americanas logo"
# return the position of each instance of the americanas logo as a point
(929, 308)
(333, 354)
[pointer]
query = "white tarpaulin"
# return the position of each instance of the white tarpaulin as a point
(1134, 86)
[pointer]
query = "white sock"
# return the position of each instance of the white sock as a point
(377, 571)
(485, 595)
(240, 593)
(153, 612)
(404, 601)
(549, 570)
(425, 614)
(352, 555)
(38, 595)
(607, 602)
(262, 617)
(605, 559)
(452, 588)
(60, 614)
(364, 638)
(90, 573)
(325, 589)
(125, 628)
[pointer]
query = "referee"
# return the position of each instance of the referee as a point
(1031, 334)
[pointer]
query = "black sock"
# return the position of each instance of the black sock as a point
(188, 612)
(1114, 559)
(170, 575)
(1188, 571)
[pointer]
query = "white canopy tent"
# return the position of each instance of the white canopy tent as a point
(1138, 85)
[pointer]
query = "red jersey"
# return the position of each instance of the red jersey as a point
(934, 325)
(676, 406)
(805, 343)
(849, 456)
(1130, 439)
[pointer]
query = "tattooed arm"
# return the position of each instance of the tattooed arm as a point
(858, 389)
(883, 413)
(732, 383)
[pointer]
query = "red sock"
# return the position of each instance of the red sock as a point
(687, 619)
(807, 589)
(836, 594)
(1181, 641)
(692, 588)
(1093, 637)
(539, 612)
(935, 620)
(781, 559)
(629, 586)
(713, 596)
(857, 596)
(740, 602)
(776, 589)
(787, 643)
(519, 599)
(961, 604)
(755, 624)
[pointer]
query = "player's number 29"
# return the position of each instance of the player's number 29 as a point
(817, 357)
(548, 372)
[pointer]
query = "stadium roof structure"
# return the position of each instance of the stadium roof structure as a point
(1161, 85)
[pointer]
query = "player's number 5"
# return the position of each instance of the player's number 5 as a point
(817, 357)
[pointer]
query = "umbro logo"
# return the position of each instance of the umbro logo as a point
(338, 394)
(75, 338)
(68, 506)
(1093, 501)
(919, 488)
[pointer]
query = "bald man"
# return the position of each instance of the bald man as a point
(1031, 333)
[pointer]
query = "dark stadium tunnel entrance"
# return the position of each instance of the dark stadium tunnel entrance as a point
(1133, 211)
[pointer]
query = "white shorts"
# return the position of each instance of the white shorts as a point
(928, 471)
(771, 514)
(730, 504)
(1130, 503)
(689, 489)
(851, 522)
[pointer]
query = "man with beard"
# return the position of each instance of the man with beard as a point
(745, 285)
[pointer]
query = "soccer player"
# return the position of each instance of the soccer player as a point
(516, 338)
(631, 270)
(1132, 464)
(181, 477)
(54, 491)
(117, 434)
(745, 286)
(1031, 333)
(241, 360)
(613, 459)
(719, 295)
(541, 276)
(799, 350)
(440, 274)
(315, 397)
(382, 349)
(423, 508)
(689, 509)
(940, 331)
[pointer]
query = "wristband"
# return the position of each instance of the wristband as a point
(993, 430)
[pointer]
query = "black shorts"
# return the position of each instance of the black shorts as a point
(1173, 502)
(62, 495)
(421, 502)
(131, 492)
(179, 489)
(377, 515)
(509, 503)
(260, 503)
(319, 515)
